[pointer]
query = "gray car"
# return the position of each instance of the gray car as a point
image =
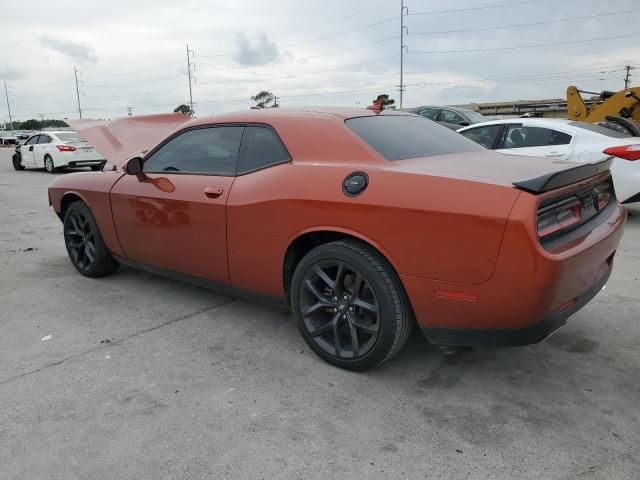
(451, 117)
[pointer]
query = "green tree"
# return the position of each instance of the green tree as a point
(264, 99)
(386, 101)
(183, 109)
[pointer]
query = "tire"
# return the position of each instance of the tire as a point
(83, 240)
(17, 162)
(49, 165)
(346, 289)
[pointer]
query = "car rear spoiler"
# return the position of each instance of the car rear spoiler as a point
(554, 180)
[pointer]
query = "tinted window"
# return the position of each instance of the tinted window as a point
(518, 136)
(69, 137)
(261, 148)
(399, 137)
(32, 140)
(44, 139)
(430, 113)
(449, 116)
(485, 136)
(598, 129)
(475, 117)
(212, 151)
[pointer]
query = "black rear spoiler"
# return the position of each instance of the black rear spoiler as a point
(554, 180)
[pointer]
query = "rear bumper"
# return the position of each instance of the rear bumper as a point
(84, 163)
(513, 337)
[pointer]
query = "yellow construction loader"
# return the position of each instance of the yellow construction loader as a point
(617, 110)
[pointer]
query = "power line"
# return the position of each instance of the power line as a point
(123, 74)
(118, 85)
(505, 27)
(539, 45)
(302, 59)
(306, 42)
(469, 9)
(344, 67)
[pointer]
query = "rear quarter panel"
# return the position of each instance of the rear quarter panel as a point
(93, 188)
(427, 226)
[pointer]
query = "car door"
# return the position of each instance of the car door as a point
(487, 135)
(535, 141)
(173, 214)
(26, 151)
(41, 149)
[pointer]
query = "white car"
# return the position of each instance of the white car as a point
(566, 140)
(55, 150)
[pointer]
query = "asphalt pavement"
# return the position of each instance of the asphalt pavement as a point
(135, 376)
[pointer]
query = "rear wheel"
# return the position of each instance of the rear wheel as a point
(350, 305)
(85, 246)
(17, 162)
(49, 165)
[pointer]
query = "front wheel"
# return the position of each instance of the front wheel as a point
(350, 305)
(49, 165)
(17, 162)
(86, 248)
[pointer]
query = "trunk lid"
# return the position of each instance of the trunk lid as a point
(533, 174)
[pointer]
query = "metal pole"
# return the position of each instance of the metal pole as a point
(189, 72)
(627, 79)
(6, 93)
(403, 29)
(75, 72)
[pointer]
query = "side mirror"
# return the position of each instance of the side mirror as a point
(464, 123)
(134, 166)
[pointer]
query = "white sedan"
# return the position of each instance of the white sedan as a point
(55, 150)
(568, 141)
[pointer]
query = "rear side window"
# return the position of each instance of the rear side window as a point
(397, 137)
(44, 139)
(485, 136)
(261, 148)
(212, 151)
(518, 136)
(450, 116)
(430, 113)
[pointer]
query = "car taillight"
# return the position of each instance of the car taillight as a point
(65, 148)
(557, 217)
(628, 152)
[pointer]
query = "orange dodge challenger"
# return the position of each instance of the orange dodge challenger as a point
(362, 222)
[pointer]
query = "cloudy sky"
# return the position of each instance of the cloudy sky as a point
(311, 52)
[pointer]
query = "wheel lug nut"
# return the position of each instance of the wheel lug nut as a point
(344, 317)
(335, 299)
(345, 297)
(351, 309)
(335, 310)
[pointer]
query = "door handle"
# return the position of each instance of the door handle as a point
(213, 192)
(31, 148)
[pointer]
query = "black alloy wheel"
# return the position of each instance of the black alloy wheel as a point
(340, 309)
(86, 248)
(350, 305)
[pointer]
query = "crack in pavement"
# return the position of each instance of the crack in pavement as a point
(117, 342)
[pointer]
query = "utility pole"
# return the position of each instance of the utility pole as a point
(6, 93)
(403, 48)
(189, 65)
(75, 72)
(129, 111)
(627, 78)
(275, 101)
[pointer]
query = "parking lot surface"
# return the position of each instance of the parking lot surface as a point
(139, 377)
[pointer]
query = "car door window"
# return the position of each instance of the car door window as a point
(430, 113)
(518, 136)
(44, 139)
(449, 116)
(261, 148)
(485, 136)
(208, 150)
(32, 140)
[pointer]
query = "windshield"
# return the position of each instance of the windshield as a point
(69, 137)
(400, 137)
(475, 117)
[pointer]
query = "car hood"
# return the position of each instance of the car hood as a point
(484, 166)
(117, 140)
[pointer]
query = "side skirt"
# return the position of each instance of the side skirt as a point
(279, 302)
